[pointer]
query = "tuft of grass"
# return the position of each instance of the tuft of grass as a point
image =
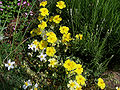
(98, 21)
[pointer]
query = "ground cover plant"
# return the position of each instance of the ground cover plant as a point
(59, 45)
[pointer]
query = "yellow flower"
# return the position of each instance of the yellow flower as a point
(79, 69)
(101, 83)
(50, 51)
(33, 32)
(79, 36)
(40, 18)
(43, 25)
(57, 19)
(80, 79)
(43, 3)
(66, 37)
(50, 33)
(35, 42)
(69, 65)
(51, 19)
(64, 29)
(38, 31)
(78, 88)
(61, 4)
(44, 11)
(51, 37)
(53, 62)
(43, 44)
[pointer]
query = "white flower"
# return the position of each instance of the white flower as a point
(71, 85)
(32, 46)
(42, 56)
(36, 85)
(77, 86)
(53, 62)
(28, 83)
(10, 64)
(117, 88)
(36, 48)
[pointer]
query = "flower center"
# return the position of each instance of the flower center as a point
(101, 82)
(60, 4)
(52, 62)
(31, 45)
(78, 88)
(41, 56)
(69, 64)
(26, 83)
(9, 64)
(72, 84)
(80, 79)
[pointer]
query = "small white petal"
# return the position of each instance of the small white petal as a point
(68, 85)
(9, 61)
(6, 65)
(13, 62)
(24, 86)
(12, 67)
(36, 85)
(38, 56)
(9, 68)
(29, 83)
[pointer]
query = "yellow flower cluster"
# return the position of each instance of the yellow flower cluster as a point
(51, 37)
(71, 65)
(101, 83)
(77, 68)
(79, 36)
(66, 37)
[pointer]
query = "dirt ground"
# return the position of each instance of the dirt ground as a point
(112, 79)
